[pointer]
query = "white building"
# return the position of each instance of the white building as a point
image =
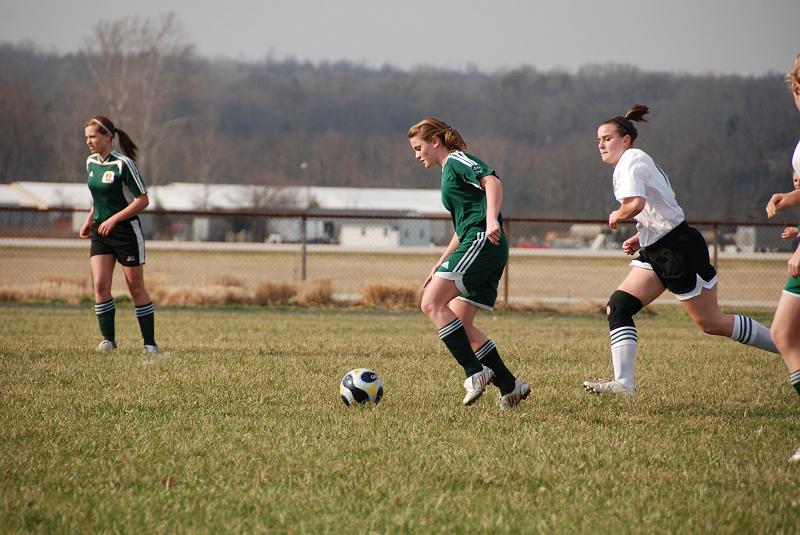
(317, 202)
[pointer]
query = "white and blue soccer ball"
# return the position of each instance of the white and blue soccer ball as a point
(361, 385)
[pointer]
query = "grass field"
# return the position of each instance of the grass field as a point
(239, 428)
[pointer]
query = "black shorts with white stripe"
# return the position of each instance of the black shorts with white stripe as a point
(680, 259)
(125, 242)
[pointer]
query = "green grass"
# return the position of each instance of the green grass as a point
(240, 428)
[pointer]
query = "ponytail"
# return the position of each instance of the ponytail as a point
(126, 144)
(431, 128)
(637, 113)
(106, 125)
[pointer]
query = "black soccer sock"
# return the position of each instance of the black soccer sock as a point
(105, 318)
(794, 380)
(490, 357)
(146, 316)
(455, 338)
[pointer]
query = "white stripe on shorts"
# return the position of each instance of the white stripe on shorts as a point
(698, 288)
(137, 229)
(471, 254)
(475, 303)
(640, 264)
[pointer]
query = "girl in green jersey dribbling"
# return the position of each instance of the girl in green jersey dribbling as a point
(466, 276)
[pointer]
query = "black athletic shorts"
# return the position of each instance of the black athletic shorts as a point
(680, 259)
(125, 242)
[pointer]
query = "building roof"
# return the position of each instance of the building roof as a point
(196, 196)
(11, 196)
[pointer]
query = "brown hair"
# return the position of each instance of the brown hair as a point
(431, 127)
(624, 125)
(793, 76)
(125, 142)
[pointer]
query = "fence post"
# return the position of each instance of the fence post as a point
(507, 225)
(304, 238)
(715, 236)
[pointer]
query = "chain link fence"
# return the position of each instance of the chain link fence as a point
(551, 260)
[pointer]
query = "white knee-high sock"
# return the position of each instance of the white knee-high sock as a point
(749, 332)
(624, 341)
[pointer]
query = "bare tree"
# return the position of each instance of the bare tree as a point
(133, 64)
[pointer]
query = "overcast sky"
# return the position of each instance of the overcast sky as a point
(695, 36)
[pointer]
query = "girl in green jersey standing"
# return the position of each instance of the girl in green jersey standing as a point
(466, 276)
(114, 229)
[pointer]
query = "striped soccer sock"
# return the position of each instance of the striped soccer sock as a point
(147, 324)
(624, 342)
(105, 318)
(749, 332)
(490, 357)
(455, 338)
(794, 380)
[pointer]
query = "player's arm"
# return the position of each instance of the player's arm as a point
(794, 262)
(134, 208)
(87, 223)
(781, 201)
(494, 199)
(631, 245)
(628, 209)
(452, 246)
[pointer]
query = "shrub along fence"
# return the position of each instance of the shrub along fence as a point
(378, 259)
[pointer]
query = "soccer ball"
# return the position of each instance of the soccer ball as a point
(361, 385)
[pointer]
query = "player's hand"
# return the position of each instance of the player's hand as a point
(775, 204)
(789, 233)
(430, 276)
(613, 220)
(794, 264)
(84, 231)
(493, 230)
(107, 226)
(631, 245)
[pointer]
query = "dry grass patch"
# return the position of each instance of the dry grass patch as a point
(270, 293)
(223, 279)
(200, 295)
(315, 293)
(390, 295)
(70, 290)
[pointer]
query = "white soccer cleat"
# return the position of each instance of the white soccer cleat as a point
(475, 385)
(106, 345)
(606, 386)
(151, 349)
(795, 456)
(521, 391)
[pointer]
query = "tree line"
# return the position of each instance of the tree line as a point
(725, 141)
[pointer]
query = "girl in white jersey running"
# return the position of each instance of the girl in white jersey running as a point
(786, 324)
(672, 256)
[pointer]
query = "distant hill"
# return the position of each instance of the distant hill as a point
(725, 141)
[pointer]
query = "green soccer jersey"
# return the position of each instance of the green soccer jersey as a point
(462, 194)
(112, 181)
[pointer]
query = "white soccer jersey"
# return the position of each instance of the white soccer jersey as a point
(637, 175)
(796, 159)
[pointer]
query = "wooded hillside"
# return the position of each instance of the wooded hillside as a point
(725, 141)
